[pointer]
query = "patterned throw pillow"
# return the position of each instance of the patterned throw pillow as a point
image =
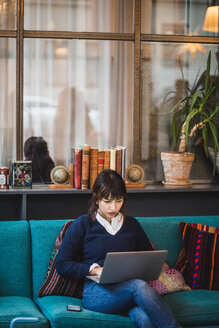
(56, 284)
(169, 281)
(198, 260)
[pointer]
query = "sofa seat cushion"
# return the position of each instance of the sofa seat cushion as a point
(18, 306)
(195, 307)
(55, 309)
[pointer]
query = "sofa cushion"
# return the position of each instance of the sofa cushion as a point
(15, 262)
(168, 228)
(43, 236)
(195, 308)
(56, 284)
(45, 232)
(18, 306)
(201, 261)
(55, 309)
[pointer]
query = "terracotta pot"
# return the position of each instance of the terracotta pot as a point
(177, 167)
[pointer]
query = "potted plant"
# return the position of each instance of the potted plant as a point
(193, 112)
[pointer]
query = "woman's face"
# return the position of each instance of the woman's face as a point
(108, 208)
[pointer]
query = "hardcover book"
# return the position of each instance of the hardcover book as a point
(123, 160)
(112, 159)
(107, 160)
(119, 160)
(77, 161)
(85, 166)
(101, 155)
(21, 174)
(93, 166)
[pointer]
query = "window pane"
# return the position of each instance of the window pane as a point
(7, 14)
(7, 101)
(80, 15)
(161, 76)
(76, 92)
(178, 17)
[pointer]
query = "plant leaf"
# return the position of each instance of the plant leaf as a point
(216, 145)
(214, 134)
(208, 71)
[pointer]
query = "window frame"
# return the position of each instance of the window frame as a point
(137, 38)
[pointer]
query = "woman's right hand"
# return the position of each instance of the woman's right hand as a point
(96, 271)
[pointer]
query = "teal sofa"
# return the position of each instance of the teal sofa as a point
(25, 252)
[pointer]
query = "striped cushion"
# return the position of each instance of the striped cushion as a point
(199, 258)
(55, 284)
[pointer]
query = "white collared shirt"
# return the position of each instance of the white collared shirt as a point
(116, 223)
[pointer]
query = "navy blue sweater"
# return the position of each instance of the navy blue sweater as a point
(86, 243)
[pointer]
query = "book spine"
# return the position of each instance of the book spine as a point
(85, 166)
(123, 160)
(119, 161)
(71, 172)
(112, 159)
(77, 161)
(107, 160)
(101, 155)
(93, 166)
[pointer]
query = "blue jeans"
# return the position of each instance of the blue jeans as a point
(134, 297)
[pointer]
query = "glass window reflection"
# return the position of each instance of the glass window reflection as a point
(76, 92)
(168, 70)
(177, 17)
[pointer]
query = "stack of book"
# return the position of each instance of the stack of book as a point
(89, 162)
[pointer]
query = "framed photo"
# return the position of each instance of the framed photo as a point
(21, 174)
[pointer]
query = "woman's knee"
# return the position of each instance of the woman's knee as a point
(140, 318)
(139, 285)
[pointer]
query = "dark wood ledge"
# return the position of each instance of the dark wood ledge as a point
(149, 188)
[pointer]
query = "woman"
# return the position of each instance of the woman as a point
(106, 229)
(36, 150)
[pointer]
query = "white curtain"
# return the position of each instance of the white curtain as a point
(7, 102)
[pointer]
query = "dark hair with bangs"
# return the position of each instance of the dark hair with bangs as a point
(107, 184)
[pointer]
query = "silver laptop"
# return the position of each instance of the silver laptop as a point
(121, 266)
